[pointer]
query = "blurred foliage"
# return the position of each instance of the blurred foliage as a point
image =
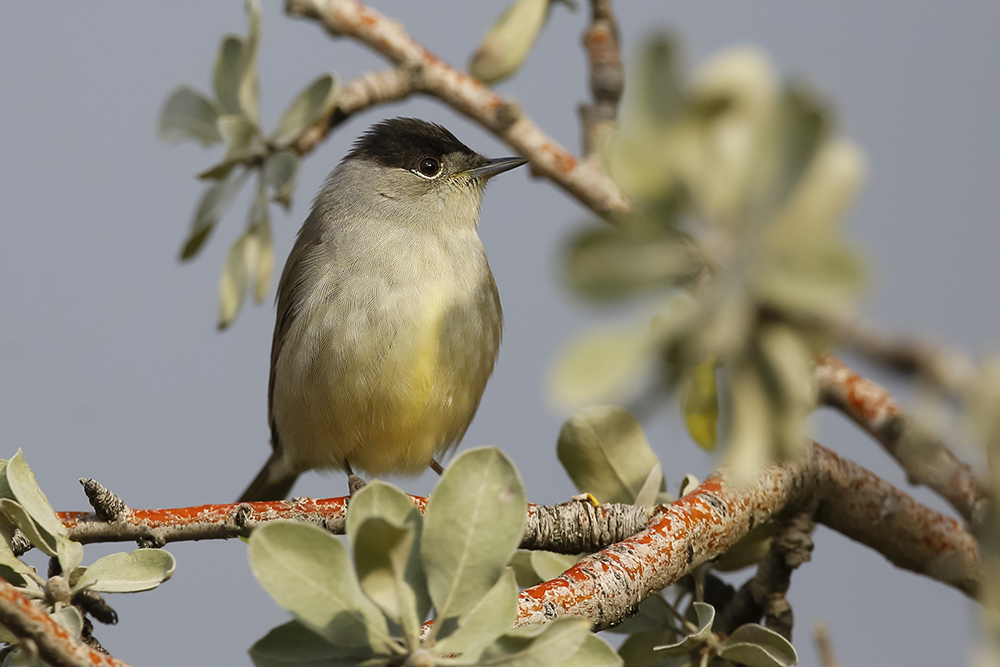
(506, 45)
(69, 594)
(741, 187)
(370, 609)
(232, 118)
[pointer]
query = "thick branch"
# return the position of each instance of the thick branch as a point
(433, 76)
(572, 528)
(55, 645)
(607, 79)
(705, 523)
(925, 459)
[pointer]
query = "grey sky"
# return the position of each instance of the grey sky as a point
(110, 366)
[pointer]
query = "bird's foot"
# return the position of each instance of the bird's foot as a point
(355, 483)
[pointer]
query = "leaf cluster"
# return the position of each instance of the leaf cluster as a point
(232, 117)
(67, 595)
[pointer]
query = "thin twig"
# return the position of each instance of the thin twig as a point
(824, 646)
(431, 75)
(926, 460)
(607, 79)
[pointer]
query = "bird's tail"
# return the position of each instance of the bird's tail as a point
(269, 484)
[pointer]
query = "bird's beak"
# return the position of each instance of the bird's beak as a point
(497, 166)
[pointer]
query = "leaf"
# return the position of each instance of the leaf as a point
(379, 499)
(235, 277)
(788, 373)
(263, 258)
(295, 645)
(594, 652)
(279, 174)
(70, 553)
(141, 570)
(381, 551)
(653, 615)
(242, 140)
(756, 646)
(706, 616)
(187, 114)
(524, 571)
(638, 651)
(750, 437)
(248, 91)
(473, 523)
(601, 365)
(650, 491)
(304, 110)
(71, 619)
(606, 453)
(688, 484)
(226, 73)
(214, 203)
(20, 480)
(492, 616)
(535, 646)
(309, 573)
(700, 403)
(37, 535)
(748, 551)
(549, 565)
(507, 44)
(19, 569)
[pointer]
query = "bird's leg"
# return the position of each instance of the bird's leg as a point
(354, 483)
(436, 467)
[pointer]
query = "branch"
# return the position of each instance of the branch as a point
(824, 645)
(429, 74)
(571, 528)
(605, 587)
(607, 79)
(925, 459)
(55, 645)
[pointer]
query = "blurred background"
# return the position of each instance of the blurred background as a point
(111, 367)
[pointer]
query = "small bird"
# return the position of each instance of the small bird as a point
(388, 318)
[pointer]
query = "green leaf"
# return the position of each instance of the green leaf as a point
(234, 280)
(381, 551)
(649, 494)
(507, 44)
(700, 403)
(492, 616)
(610, 263)
(242, 141)
(22, 484)
(309, 572)
(226, 74)
(594, 652)
(756, 646)
(549, 565)
(187, 114)
(379, 499)
(638, 651)
(71, 619)
(37, 535)
(248, 91)
(748, 551)
(214, 203)
(141, 570)
(706, 616)
(473, 523)
(601, 365)
(654, 615)
(279, 174)
(606, 453)
(19, 569)
(660, 87)
(295, 645)
(535, 646)
(306, 109)
(524, 571)
(750, 436)
(8, 637)
(260, 239)
(70, 553)
(788, 373)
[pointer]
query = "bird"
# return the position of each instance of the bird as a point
(388, 320)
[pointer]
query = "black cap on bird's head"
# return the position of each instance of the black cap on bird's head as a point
(406, 143)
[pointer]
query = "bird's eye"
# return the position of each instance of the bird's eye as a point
(429, 167)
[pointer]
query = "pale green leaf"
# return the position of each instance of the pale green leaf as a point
(226, 74)
(748, 551)
(187, 114)
(295, 645)
(309, 572)
(71, 619)
(18, 568)
(654, 615)
(600, 366)
(279, 174)
(473, 523)
(649, 493)
(234, 279)
(594, 652)
(638, 651)
(263, 257)
(507, 44)
(492, 616)
(22, 484)
(214, 203)
(700, 403)
(70, 553)
(242, 139)
(248, 90)
(141, 570)
(756, 646)
(688, 484)
(381, 552)
(7, 637)
(306, 109)
(378, 499)
(788, 365)
(605, 452)
(537, 646)
(750, 435)
(549, 565)
(37, 535)
(524, 571)
(706, 616)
